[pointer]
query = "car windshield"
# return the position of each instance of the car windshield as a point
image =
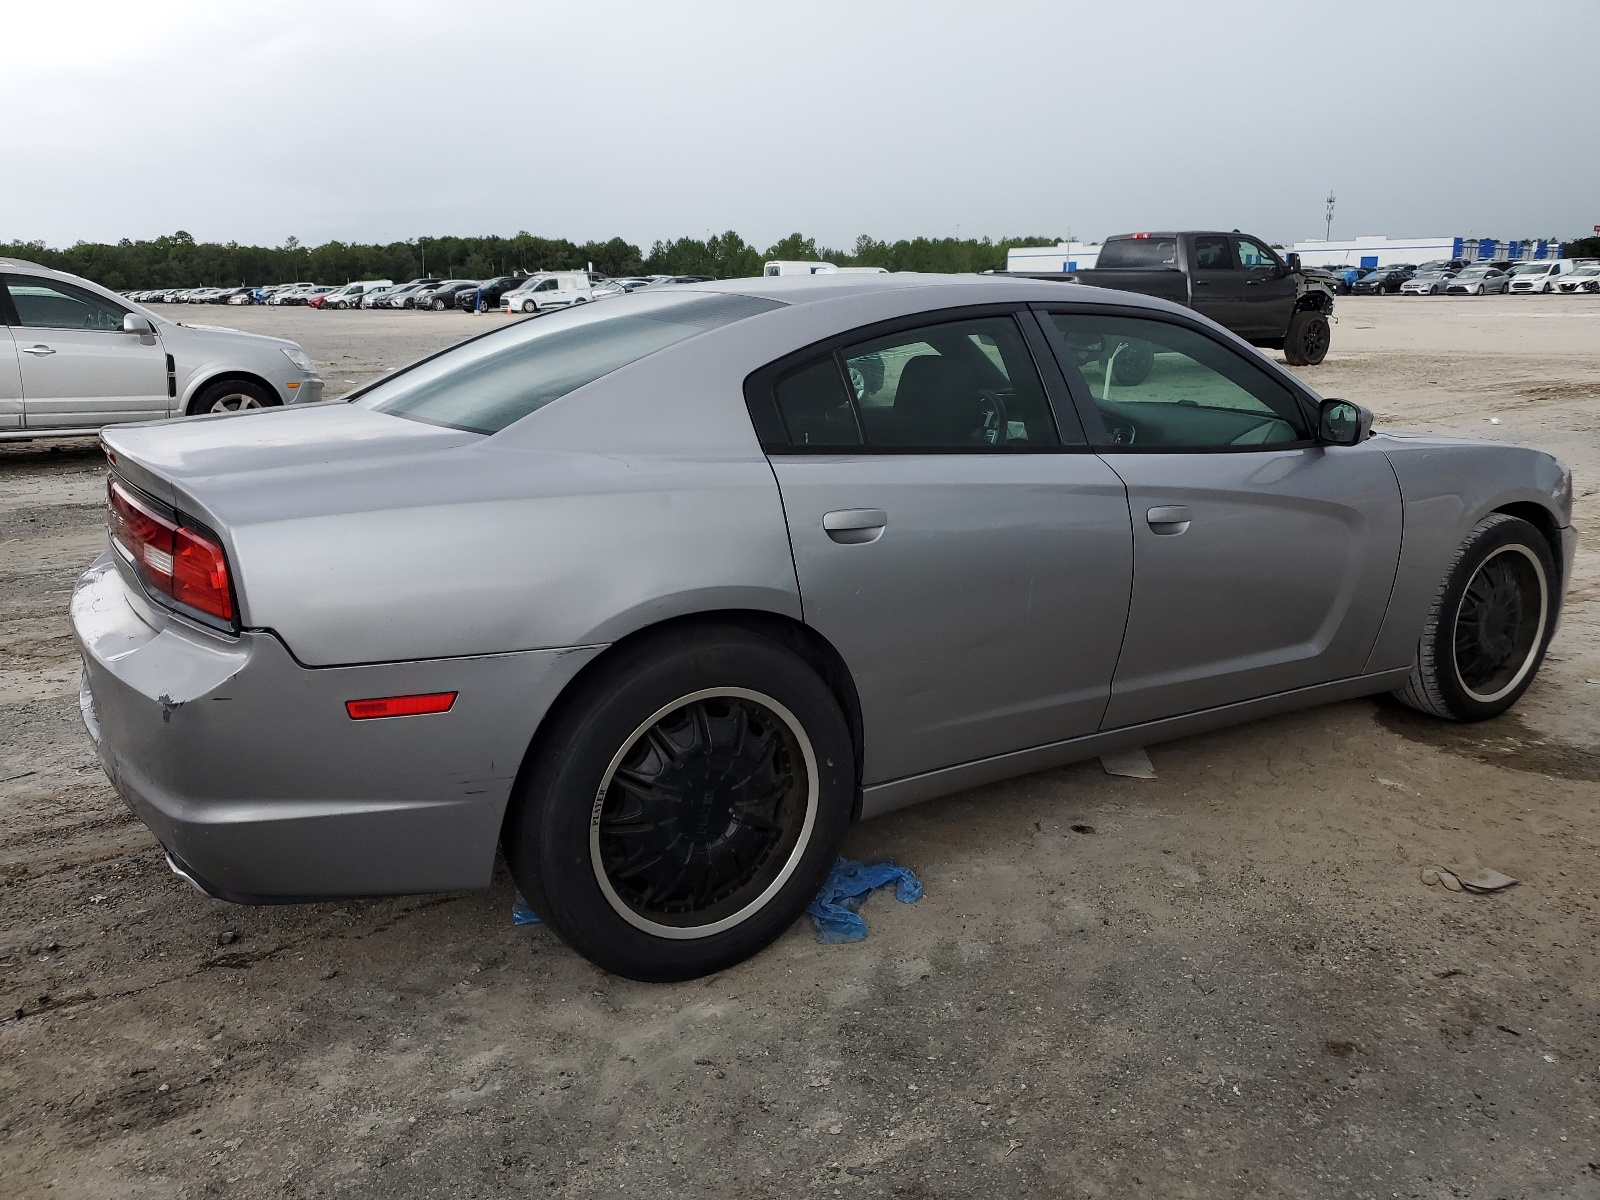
(486, 384)
(1139, 252)
(1473, 273)
(1531, 269)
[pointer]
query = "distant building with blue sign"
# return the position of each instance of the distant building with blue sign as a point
(1389, 252)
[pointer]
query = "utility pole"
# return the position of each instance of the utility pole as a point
(1328, 232)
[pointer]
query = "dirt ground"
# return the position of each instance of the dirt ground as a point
(1228, 981)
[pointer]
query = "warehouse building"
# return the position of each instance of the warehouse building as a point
(1385, 252)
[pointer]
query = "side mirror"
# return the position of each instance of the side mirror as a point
(1294, 262)
(1341, 423)
(134, 323)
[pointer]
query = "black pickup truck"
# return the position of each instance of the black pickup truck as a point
(1236, 280)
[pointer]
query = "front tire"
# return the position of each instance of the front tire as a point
(682, 808)
(1306, 344)
(1486, 633)
(232, 395)
(528, 306)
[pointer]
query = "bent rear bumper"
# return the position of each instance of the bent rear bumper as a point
(246, 767)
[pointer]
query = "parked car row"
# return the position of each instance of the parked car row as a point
(1458, 277)
(519, 293)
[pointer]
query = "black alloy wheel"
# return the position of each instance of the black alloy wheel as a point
(1486, 632)
(1501, 617)
(700, 813)
(683, 802)
(1307, 341)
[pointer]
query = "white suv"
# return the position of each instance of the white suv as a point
(75, 357)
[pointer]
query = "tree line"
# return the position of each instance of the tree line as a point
(177, 260)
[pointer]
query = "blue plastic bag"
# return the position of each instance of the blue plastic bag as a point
(521, 914)
(835, 910)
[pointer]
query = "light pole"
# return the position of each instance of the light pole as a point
(1327, 235)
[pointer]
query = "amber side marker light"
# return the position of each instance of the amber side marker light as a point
(400, 706)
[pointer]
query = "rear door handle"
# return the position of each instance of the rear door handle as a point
(852, 526)
(1168, 519)
(39, 351)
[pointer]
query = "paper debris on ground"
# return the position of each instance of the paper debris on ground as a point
(1450, 881)
(1135, 764)
(1482, 879)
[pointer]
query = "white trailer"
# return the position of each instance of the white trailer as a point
(1062, 257)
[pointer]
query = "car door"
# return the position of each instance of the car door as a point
(79, 369)
(1218, 285)
(1262, 559)
(10, 381)
(969, 560)
(1268, 291)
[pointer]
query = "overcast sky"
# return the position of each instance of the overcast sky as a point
(377, 120)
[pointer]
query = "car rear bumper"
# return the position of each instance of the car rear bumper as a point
(248, 770)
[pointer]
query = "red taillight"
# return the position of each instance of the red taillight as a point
(400, 706)
(170, 557)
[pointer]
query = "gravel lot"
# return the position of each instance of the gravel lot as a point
(1228, 981)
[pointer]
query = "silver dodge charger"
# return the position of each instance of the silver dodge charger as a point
(659, 595)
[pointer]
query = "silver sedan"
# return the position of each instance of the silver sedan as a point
(659, 595)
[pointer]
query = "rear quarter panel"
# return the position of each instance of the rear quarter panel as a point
(1447, 486)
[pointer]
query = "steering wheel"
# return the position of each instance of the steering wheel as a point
(1119, 430)
(993, 429)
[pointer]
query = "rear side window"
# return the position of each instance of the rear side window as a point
(962, 385)
(1139, 252)
(489, 382)
(815, 407)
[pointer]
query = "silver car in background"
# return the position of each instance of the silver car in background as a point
(1479, 281)
(660, 594)
(76, 357)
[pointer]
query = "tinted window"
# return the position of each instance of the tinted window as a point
(815, 407)
(46, 304)
(1139, 252)
(1167, 386)
(489, 382)
(1211, 254)
(964, 384)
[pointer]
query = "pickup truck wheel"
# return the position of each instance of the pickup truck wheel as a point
(1131, 360)
(232, 395)
(1308, 339)
(685, 804)
(1486, 632)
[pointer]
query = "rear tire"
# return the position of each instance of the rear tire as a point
(1307, 341)
(232, 395)
(682, 808)
(1487, 630)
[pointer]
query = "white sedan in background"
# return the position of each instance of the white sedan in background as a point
(1580, 279)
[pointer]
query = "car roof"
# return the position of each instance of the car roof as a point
(820, 289)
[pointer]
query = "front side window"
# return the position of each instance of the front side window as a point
(47, 304)
(1251, 254)
(960, 385)
(1166, 386)
(487, 383)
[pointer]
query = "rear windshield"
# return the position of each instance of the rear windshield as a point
(1139, 252)
(489, 382)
